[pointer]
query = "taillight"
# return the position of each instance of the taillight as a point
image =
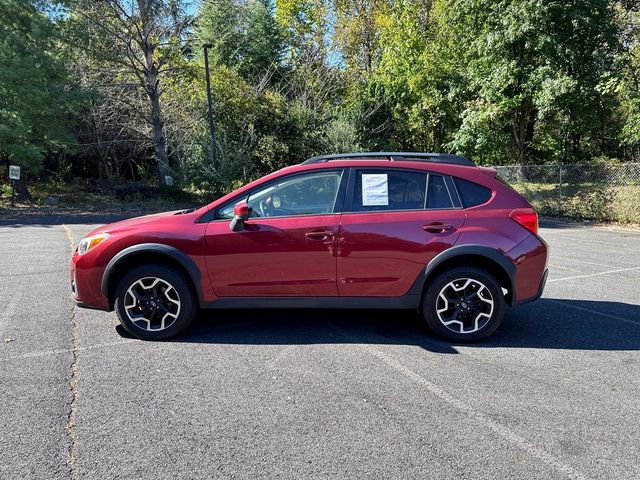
(527, 217)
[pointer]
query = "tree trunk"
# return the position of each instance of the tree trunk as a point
(524, 120)
(576, 142)
(159, 138)
(518, 136)
(153, 91)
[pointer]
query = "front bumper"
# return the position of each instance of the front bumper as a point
(85, 282)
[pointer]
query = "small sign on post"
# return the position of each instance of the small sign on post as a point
(14, 174)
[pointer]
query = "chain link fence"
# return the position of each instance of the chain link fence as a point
(594, 191)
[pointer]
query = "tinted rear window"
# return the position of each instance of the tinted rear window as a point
(471, 194)
(397, 190)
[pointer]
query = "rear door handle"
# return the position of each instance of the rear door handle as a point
(437, 227)
(319, 234)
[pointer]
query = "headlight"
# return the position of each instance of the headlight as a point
(88, 243)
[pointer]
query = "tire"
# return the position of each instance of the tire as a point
(463, 304)
(154, 302)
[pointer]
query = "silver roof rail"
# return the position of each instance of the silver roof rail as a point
(395, 156)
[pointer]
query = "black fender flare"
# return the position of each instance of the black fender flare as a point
(479, 250)
(187, 263)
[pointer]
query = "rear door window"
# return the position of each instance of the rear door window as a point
(397, 190)
(388, 190)
(438, 195)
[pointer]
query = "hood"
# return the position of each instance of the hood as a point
(132, 223)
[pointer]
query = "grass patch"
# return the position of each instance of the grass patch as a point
(593, 201)
(80, 195)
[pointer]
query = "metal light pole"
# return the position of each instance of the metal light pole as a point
(212, 127)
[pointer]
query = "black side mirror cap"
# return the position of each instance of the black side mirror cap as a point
(236, 224)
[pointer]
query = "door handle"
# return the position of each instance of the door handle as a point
(319, 234)
(437, 227)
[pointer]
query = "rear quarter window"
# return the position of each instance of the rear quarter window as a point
(472, 194)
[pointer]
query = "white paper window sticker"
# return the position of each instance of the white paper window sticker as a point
(375, 189)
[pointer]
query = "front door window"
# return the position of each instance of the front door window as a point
(310, 194)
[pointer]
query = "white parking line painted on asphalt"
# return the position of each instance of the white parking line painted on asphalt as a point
(608, 272)
(68, 350)
(595, 312)
(584, 261)
(586, 240)
(464, 407)
(552, 265)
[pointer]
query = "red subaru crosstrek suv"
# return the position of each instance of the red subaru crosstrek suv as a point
(384, 230)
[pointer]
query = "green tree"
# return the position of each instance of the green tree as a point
(307, 24)
(533, 71)
(624, 82)
(357, 32)
(243, 35)
(218, 23)
(37, 95)
(394, 87)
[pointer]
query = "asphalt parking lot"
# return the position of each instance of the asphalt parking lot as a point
(321, 394)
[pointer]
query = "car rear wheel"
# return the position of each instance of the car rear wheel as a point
(154, 302)
(463, 304)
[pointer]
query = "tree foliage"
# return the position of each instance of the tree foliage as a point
(533, 72)
(497, 80)
(37, 94)
(244, 36)
(136, 44)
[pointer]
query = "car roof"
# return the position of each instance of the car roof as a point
(467, 170)
(445, 158)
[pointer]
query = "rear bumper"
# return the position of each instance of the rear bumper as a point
(530, 259)
(543, 283)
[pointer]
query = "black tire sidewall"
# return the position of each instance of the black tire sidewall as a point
(432, 291)
(177, 280)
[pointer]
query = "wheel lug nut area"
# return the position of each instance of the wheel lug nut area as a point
(152, 304)
(465, 305)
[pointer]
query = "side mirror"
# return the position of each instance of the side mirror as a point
(240, 215)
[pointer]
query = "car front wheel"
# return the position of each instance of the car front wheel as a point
(463, 304)
(154, 302)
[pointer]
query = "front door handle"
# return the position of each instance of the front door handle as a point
(437, 227)
(319, 235)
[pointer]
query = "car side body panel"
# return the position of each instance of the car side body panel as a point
(277, 256)
(382, 253)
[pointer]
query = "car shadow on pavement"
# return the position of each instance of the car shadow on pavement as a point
(570, 324)
(548, 323)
